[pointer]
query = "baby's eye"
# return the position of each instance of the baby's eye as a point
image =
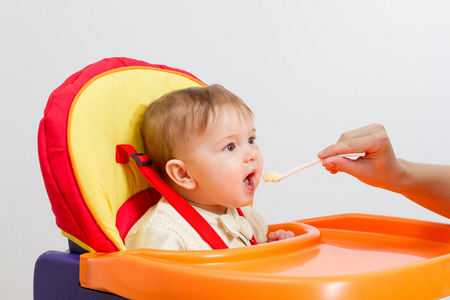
(230, 147)
(251, 140)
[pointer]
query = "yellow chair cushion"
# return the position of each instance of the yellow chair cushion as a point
(105, 113)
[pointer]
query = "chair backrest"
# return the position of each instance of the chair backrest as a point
(95, 200)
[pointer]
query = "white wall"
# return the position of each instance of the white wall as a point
(310, 70)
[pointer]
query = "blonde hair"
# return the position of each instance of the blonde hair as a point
(171, 121)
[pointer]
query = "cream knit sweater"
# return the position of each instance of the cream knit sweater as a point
(162, 227)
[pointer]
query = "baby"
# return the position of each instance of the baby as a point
(202, 143)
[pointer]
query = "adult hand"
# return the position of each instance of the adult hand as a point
(379, 167)
(427, 185)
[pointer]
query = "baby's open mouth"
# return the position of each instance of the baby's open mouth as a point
(249, 182)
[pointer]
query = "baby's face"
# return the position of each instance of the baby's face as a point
(226, 163)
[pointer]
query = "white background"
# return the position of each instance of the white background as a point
(310, 70)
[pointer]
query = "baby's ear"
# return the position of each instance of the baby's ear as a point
(178, 173)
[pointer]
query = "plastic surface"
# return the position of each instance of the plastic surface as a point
(56, 277)
(339, 257)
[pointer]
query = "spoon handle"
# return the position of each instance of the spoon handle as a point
(312, 163)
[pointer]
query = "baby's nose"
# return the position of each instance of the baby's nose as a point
(250, 156)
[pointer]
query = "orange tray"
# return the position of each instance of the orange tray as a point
(351, 256)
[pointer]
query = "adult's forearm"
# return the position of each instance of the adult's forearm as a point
(427, 185)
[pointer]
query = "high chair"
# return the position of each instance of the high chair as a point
(89, 131)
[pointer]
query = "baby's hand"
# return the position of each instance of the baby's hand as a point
(279, 235)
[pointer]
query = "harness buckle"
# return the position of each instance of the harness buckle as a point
(146, 163)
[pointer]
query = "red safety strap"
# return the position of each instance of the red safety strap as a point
(203, 228)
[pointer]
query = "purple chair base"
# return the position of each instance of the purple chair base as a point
(56, 276)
